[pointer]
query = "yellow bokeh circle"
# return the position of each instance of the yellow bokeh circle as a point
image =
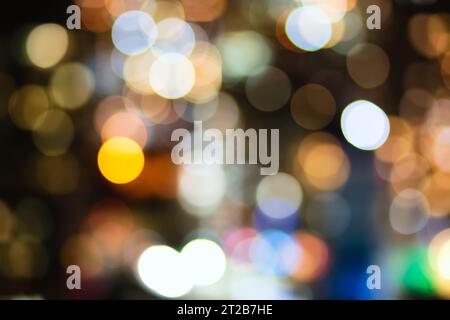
(120, 160)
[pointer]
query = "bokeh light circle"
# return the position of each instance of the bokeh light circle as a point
(368, 65)
(313, 106)
(53, 133)
(174, 36)
(335, 9)
(172, 76)
(315, 257)
(365, 125)
(134, 32)
(72, 85)
(201, 188)
(160, 269)
(46, 45)
(204, 260)
(281, 187)
(120, 160)
(322, 162)
(242, 53)
(276, 253)
(308, 28)
(439, 254)
(409, 212)
(260, 89)
(27, 104)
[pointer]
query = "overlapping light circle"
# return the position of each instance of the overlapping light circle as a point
(160, 269)
(308, 28)
(201, 188)
(172, 75)
(134, 32)
(204, 260)
(174, 36)
(46, 45)
(273, 191)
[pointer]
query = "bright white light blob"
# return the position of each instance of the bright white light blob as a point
(161, 269)
(436, 254)
(201, 188)
(281, 188)
(134, 32)
(172, 75)
(365, 125)
(309, 28)
(174, 36)
(204, 260)
(443, 261)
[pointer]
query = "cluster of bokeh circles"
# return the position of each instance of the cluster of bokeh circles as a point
(139, 69)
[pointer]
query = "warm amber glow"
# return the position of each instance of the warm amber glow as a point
(324, 164)
(46, 45)
(120, 160)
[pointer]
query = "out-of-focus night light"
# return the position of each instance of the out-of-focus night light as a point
(409, 212)
(444, 261)
(174, 36)
(308, 28)
(335, 9)
(117, 7)
(328, 214)
(259, 89)
(204, 260)
(46, 45)
(203, 10)
(277, 189)
(245, 284)
(160, 268)
(201, 188)
(438, 252)
(120, 160)
(365, 125)
(172, 76)
(136, 72)
(207, 63)
(72, 85)
(315, 257)
(242, 53)
(313, 106)
(27, 104)
(134, 32)
(275, 252)
(125, 124)
(53, 133)
(368, 65)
